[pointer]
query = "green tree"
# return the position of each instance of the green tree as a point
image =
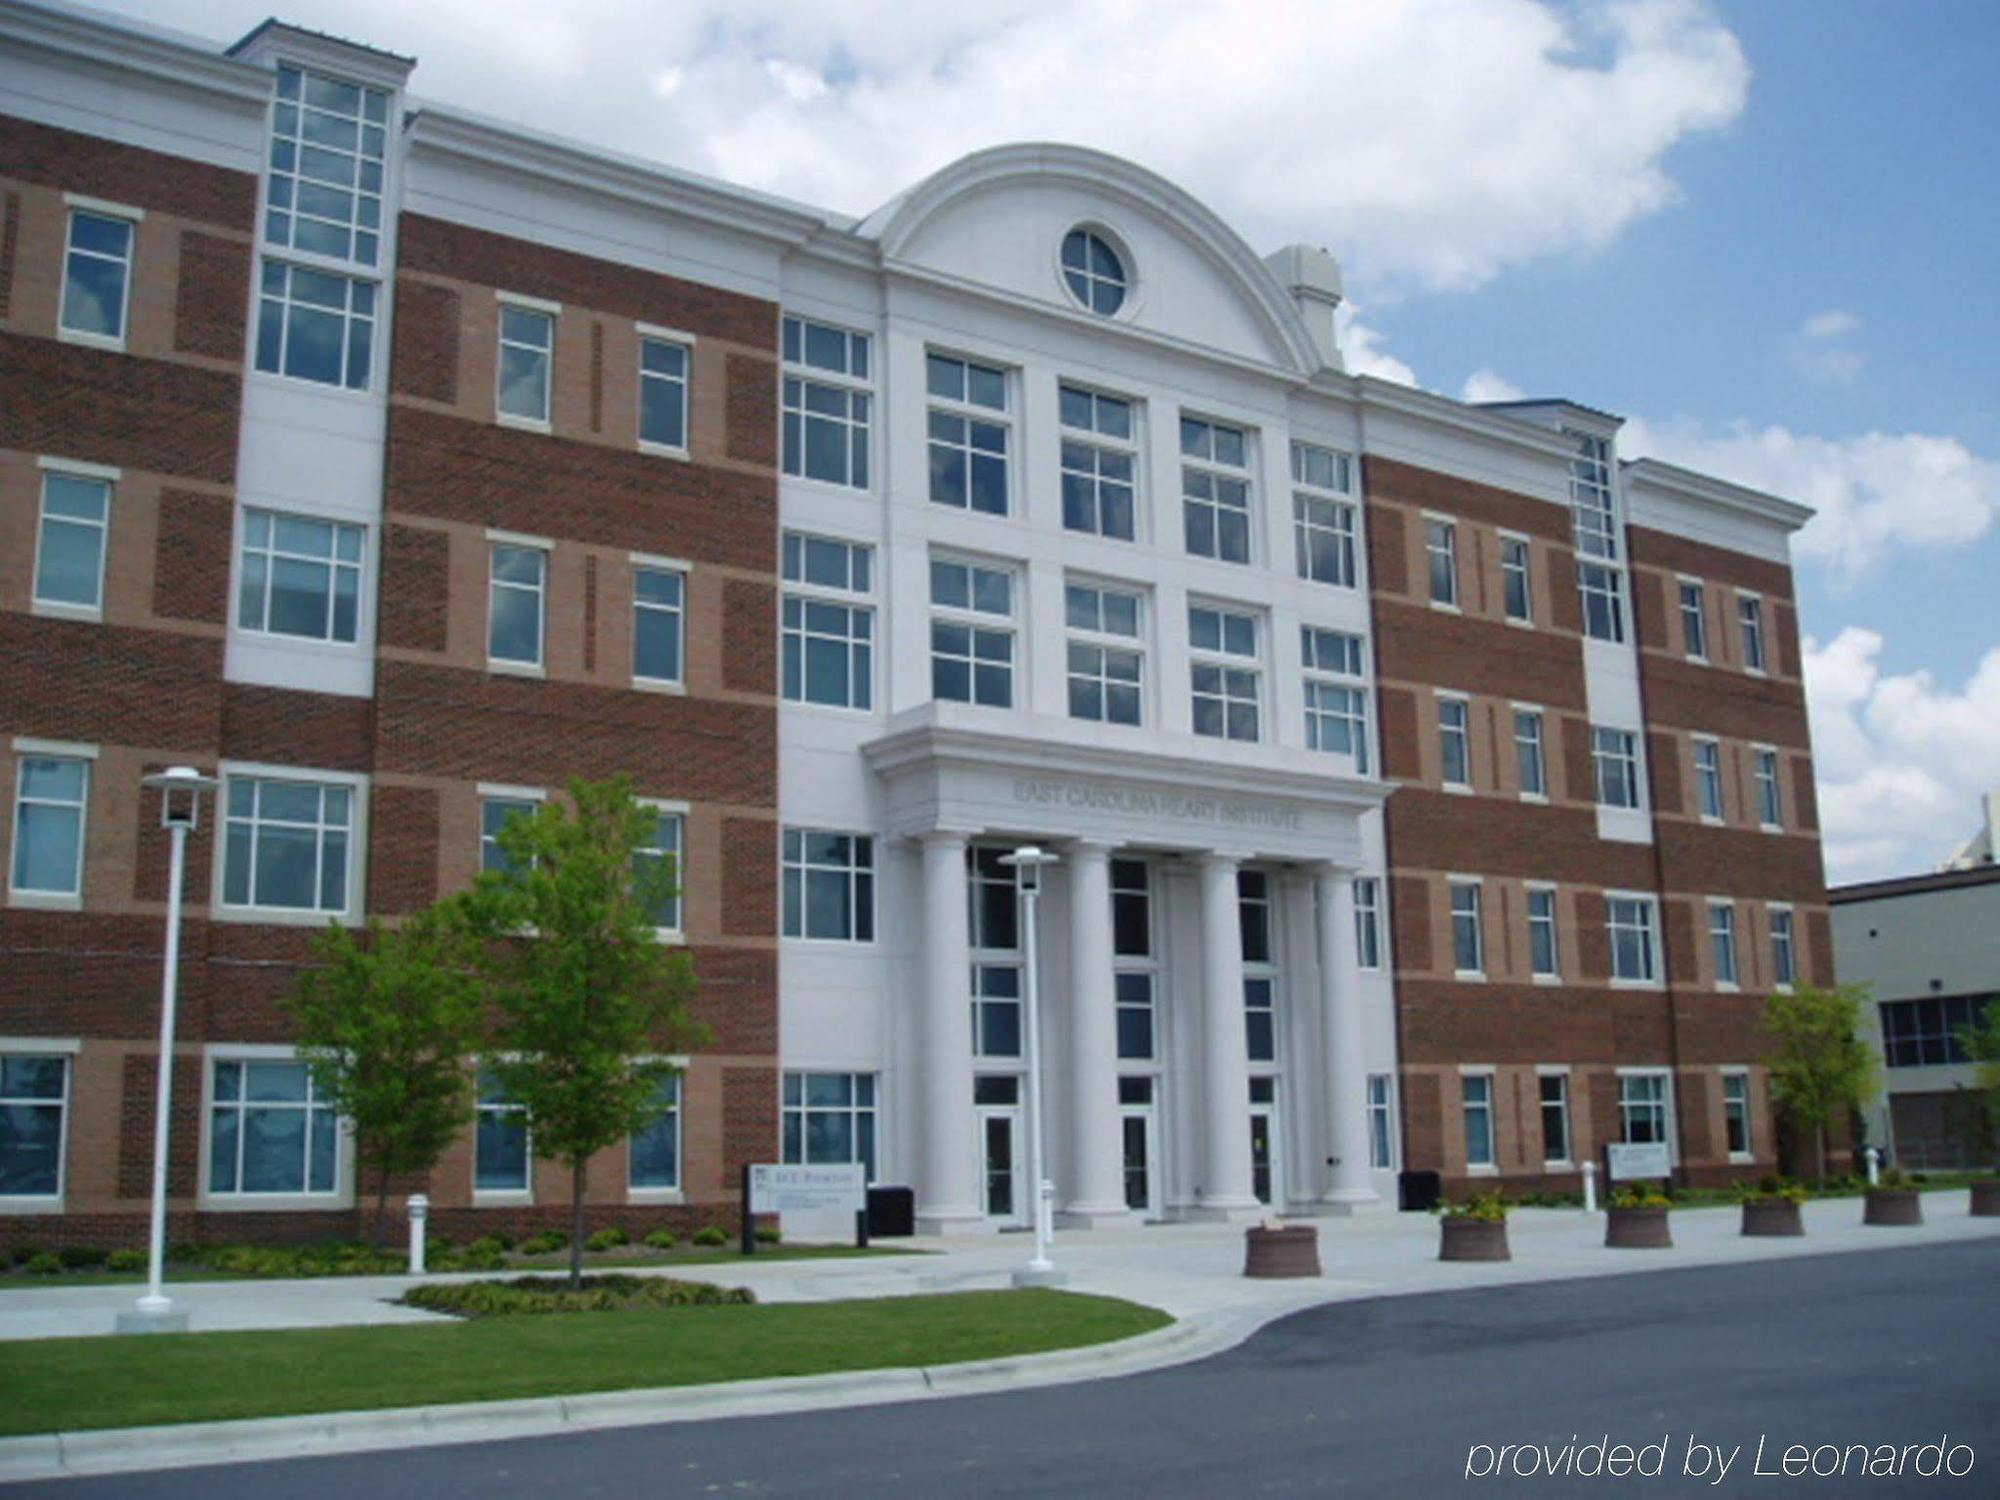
(1820, 1067)
(1981, 1041)
(387, 1024)
(583, 994)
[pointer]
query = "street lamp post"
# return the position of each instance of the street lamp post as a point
(181, 789)
(1028, 862)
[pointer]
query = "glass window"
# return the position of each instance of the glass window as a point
(52, 794)
(1336, 712)
(1093, 271)
(993, 914)
(996, 1010)
(1215, 490)
(327, 145)
(1784, 957)
(658, 620)
(1323, 527)
(1368, 921)
(1555, 1118)
(656, 1149)
(69, 556)
(972, 656)
(1514, 578)
(1135, 1014)
(1476, 1094)
(1454, 742)
(1544, 957)
(663, 394)
(1381, 1122)
(1708, 777)
(1722, 940)
(1736, 1112)
(300, 577)
(514, 628)
(1106, 669)
(826, 412)
(1260, 969)
(1642, 1107)
(315, 326)
(1630, 923)
(1528, 752)
(829, 885)
(1694, 625)
(1769, 810)
(1099, 476)
(828, 644)
(1615, 754)
(1441, 549)
(1750, 611)
(1225, 694)
(495, 813)
(1132, 950)
(664, 848)
(269, 1131)
(34, 1094)
(1468, 939)
(97, 275)
(968, 450)
(1603, 601)
(527, 351)
(830, 1118)
(828, 563)
(1929, 1032)
(1596, 527)
(286, 844)
(500, 1139)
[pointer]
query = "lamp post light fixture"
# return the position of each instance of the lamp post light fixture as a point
(180, 789)
(1028, 863)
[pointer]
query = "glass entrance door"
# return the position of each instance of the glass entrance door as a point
(1267, 1168)
(1139, 1129)
(1003, 1175)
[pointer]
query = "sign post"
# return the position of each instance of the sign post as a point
(837, 1188)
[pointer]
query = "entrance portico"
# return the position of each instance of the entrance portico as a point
(1290, 829)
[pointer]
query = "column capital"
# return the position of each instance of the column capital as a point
(945, 836)
(1087, 848)
(1332, 869)
(1233, 858)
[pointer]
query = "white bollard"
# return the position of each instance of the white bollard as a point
(1590, 1187)
(1874, 1160)
(420, 1210)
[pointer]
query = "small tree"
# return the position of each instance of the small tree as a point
(1821, 1068)
(1981, 1041)
(387, 1024)
(584, 996)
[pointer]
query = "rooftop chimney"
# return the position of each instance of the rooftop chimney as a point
(1313, 278)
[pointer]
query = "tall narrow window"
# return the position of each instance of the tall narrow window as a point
(1476, 1096)
(1615, 754)
(1381, 1122)
(1603, 606)
(69, 554)
(1555, 1118)
(827, 403)
(1133, 957)
(663, 394)
(1105, 663)
(1784, 957)
(829, 886)
(527, 356)
(658, 616)
(516, 608)
(286, 844)
(1694, 622)
(1322, 519)
(97, 276)
(1708, 778)
(1629, 924)
(1336, 695)
(1215, 489)
(1468, 936)
(315, 326)
(34, 1097)
(328, 141)
(1769, 811)
(1454, 745)
(993, 929)
(1100, 458)
(1223, 663)
(828, 640)
(1260, 965)
(1750, 612)
(968, 434)
(1642, 1108)
(1368, 921)
(663, 850)
(270, 1130)
(972, 634)
(1600, 580)
(1528, 755)
(52, 794)
(301, 577)
(1722, 941)
(1736, 1114)
(500, 1139)
(495, 813)
(656, 1148)
(1441, 549)
(1520, 601)
(1544, 958)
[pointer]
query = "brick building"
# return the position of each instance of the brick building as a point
(1432, 788)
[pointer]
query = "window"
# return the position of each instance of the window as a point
(1322, 526)
(1215, 490)
(1555, 1118)
(1225, 693)
(1476, 1095)
(1928, 1032)
(527, 351)
(1336, 711)
(664, 848)
(828, 644)
(269, 1131)
(1381, 1122)
(1132, 956)
(1441, 547)
(1515, 588)
(1629, 920)
(1104, 667)
(1769, 812)
(1093, 271)
(1260, 967)
(52, 794)
(1099, 487)
(1615, 753)
(968, 451)
(829, 881)
(1708, 778)
(301, 577)
(1603, 603)
(495, 813)
(1722, 942)
(286, 844)
(1736, 1114)
(1642, 1108)
(1528, 752)
(1368, 921)
(514, 626)
(972, 634)
(97, 275)
(69, 555)
(1595, 523)
(656, 1150)
(1454, 745)
(1750, 611)
(996, 1010)
(826, 403)
(327, 144)
(315, 326)
(1544, 957)
(663, 394)
(34, 1095)
(1694, 623)
(1134, 990)
(1784, 957)
(830, 1118)
(993, 930)
(500, 1139)
(658, 604)
(1468, 939)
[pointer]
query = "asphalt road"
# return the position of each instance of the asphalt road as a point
(1380, 1398)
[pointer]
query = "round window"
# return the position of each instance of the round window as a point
(1095, 272)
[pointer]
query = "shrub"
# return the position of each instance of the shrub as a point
(1640, 1195)
(1488, 1208)
(488, 1244)
(542, 1294)
(769, 1234)
(20, 1255)
(663, 1239)
(340, 1258)
(43, 1264)
(80, 1257)
(710, 1234)
(607, 1239)
(546, 1243)
(125, 1260)
(1896, 1178)
(1771, 1188)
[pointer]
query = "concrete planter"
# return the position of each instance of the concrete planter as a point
(1292, 1250)
(1472, 1239)
(1772, 1216)
(1894, 1206)
(1637, 1229)
(1986, 1198)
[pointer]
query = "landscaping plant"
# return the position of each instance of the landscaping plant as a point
(1820, 1068)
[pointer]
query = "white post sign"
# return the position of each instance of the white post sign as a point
(1629, 1161)
(841, 1188)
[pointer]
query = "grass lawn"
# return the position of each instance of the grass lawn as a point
(72, 1384)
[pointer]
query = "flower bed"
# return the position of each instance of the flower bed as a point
(546, 1294)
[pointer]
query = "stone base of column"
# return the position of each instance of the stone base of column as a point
(1231, 1211)
(1344, 1203)
(1096, 1216)
(953, 1222)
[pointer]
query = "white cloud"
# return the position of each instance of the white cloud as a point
(1832, 324)
(1431, 143)
(1818, 348)
(1362, 351)
(1487, 385)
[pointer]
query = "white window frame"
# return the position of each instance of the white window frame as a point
(1552, 920)
(1142, 968)
(1473, 886)
(1669, 1123)
(550, 313)
(373, 102)
(1382, 1122)
(340, 1195)
(1100, 443)
(97, 208)
(1516, 561)
(1101, 639)
(1489, 1106)
(518, 542)
(1225, 662)
(1721, 937)
(1741, 1076)
(863, 882)
(963, 409)
(1462, 729)
(356, 783)
(1265, 977)
(676, 813)
(271, 553)
(1621, 757)
(63, 468)
(652, 1193)
(1648, 908)
(1347, 677)
(857, 394)
(975, 622)
(1565, 1105)
(534, 796)
(1368, 932)
(1605, 581)
(1770, 789)
(1750, 633)
(27, 749)
(681, 570)
(281, 302)
(800, 593)
(1694, 642)
(1441, 546)
(1531, 750)
(1785, 942)
(1309, 496)
(64, 1049)
(1216, 472)
(1706, 776)
(486, 1195)
(684, 385)
(854, 1109)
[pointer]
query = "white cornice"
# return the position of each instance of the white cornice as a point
(1472, 421)
(1717, 494)
(119, 44)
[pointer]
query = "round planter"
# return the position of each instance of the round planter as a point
(1292, 1250)
(1472, 1239)
(1986, 1198)
(1896, 1206)
(1772, 1216)
(1637, 1229)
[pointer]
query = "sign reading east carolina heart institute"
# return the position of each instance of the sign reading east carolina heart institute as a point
(1628, 1161)
(840, 1188)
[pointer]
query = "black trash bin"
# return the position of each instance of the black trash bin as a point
(892, 1212)
(1418, 1192)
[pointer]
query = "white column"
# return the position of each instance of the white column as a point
(1097, 1188)
(1225, 1187)
(1348, 1180)
(947, 1154)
